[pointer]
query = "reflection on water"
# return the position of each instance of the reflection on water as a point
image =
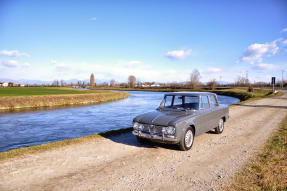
(42, 126)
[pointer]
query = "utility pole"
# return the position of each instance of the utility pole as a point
(282, 79)
(246, 78)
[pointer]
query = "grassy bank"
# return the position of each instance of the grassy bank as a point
(267, 170)
(22, 98)
(243, 95)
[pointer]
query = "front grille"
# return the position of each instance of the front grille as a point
(152, 129)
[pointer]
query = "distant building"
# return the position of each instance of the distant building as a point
(150, 84)
(4, 84)
(18, 85)
(155, 85)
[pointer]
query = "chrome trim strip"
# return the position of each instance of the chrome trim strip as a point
(155, 137)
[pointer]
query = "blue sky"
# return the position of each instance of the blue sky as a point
(160, 40)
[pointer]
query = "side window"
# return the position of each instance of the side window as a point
(213, 102)
(191, 102)
(204, 102)
(168, 101)
(178, 101)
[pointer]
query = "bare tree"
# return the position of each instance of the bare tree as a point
(131, 81)
(242, 81)
(112, 83)
(212, 84)
(55, 83)
(92, 80)
(62, 83)
(194, 79)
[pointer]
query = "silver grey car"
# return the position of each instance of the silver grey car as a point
(180, 117)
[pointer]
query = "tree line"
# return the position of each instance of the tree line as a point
(194, 82)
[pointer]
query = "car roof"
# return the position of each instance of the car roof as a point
(190, 93)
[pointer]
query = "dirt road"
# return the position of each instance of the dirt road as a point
(120, 163)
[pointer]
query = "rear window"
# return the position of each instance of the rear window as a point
(204, 102)
(213, 101)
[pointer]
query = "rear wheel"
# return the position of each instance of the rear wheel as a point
(219, 129)
(187, 139)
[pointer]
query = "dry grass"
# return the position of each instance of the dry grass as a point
(21, 102)
(268, 170)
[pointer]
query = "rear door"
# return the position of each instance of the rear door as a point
(204, 120)
(215, 113)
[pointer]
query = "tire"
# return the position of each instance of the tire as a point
(142, 140)
(187, 139)
(219, 129)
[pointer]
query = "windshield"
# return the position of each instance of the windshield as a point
(180, 102)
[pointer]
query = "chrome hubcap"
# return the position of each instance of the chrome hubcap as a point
(220, 125)
(188, 138)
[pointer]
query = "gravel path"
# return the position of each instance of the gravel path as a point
(120, 163)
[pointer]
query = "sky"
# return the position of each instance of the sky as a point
(154, 40)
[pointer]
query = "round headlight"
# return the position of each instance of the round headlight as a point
(170, 130)
(135, 125)
(140, 127)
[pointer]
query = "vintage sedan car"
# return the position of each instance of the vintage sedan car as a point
(180, 117)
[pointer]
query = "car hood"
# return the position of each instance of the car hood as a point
(163, 118)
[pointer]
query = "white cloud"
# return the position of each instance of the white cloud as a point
(13, 64)
(178, 54)
(13, 53)
(284, 30)
(255, 52)
(213, 70)
(94, 18)
(9, 63)
(134, 63)
(26, 64)
(284, 42)
(262, 66)
(60, 67)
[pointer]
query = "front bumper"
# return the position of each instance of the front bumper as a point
(163, 138)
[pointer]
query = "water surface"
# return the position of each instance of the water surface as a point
(37, 127)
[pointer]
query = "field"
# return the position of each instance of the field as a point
(12, 99)
(31, 91)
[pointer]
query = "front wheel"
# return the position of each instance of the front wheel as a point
(186, 141)
(219, 129)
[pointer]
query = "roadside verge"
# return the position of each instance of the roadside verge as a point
(268, 169)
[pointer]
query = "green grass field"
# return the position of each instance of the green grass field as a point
(31, 91)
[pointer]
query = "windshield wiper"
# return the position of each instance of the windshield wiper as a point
(180, 108)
